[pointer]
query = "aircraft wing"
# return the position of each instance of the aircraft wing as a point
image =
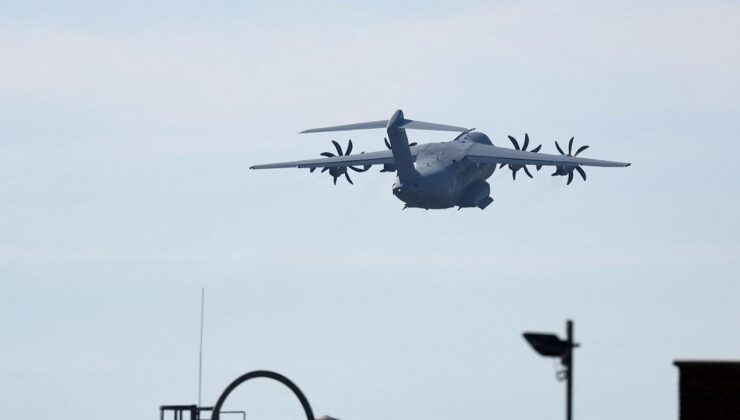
(361, 159)
(483, 153)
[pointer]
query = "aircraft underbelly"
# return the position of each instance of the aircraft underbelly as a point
(440, 184)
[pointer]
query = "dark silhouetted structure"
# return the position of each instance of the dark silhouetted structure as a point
(709, 390)
(263, 374)
(194, 412)
(549, 345)
(178, 412)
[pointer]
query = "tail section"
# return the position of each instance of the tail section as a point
(400, 146)
(396, 128)
(401, 123)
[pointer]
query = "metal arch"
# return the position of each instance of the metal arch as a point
(263, 374)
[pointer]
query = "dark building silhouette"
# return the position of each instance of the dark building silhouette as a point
(709, 390)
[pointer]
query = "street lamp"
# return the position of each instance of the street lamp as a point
(549, 345)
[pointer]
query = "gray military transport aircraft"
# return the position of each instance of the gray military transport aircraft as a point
(441, 175)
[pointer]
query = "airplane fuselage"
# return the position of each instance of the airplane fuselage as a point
(445, 178)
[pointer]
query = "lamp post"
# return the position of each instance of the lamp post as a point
(549, 345)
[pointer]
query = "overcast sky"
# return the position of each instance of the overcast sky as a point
(126, 133)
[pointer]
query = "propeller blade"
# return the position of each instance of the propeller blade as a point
(539, 167)
(582, 172)
(349, 148)
(346, 175)
(536, 149)
(328, 154)
(338, 147)
(570, 177)
(335, 180)
(526, 171)
(365, 168)
(513, 173)
(559, 149)
(570, 147)
(580, 149)
(526, 141)
(513, 141)
(324, 170)
(312, 169)
(503, 165)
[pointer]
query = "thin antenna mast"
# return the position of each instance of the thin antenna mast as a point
(200, 355)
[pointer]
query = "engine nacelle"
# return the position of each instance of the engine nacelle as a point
(477, 195)
(388, 167)
(337, 171)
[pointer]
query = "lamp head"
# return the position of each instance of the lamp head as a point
(548, 345)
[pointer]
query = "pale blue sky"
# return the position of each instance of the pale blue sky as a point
(127, 132)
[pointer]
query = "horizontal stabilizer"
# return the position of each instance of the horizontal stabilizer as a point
(421, 125)
(348, 127)
(406, 124)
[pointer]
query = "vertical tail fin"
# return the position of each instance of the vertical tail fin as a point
(400, 146)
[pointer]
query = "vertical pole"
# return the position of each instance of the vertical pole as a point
(200, 354)
(569, 372)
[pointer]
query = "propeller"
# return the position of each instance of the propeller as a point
(515, 168)
(390, 167)
(568, 170)
(337, 171)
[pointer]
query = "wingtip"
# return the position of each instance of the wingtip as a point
(627, 164)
